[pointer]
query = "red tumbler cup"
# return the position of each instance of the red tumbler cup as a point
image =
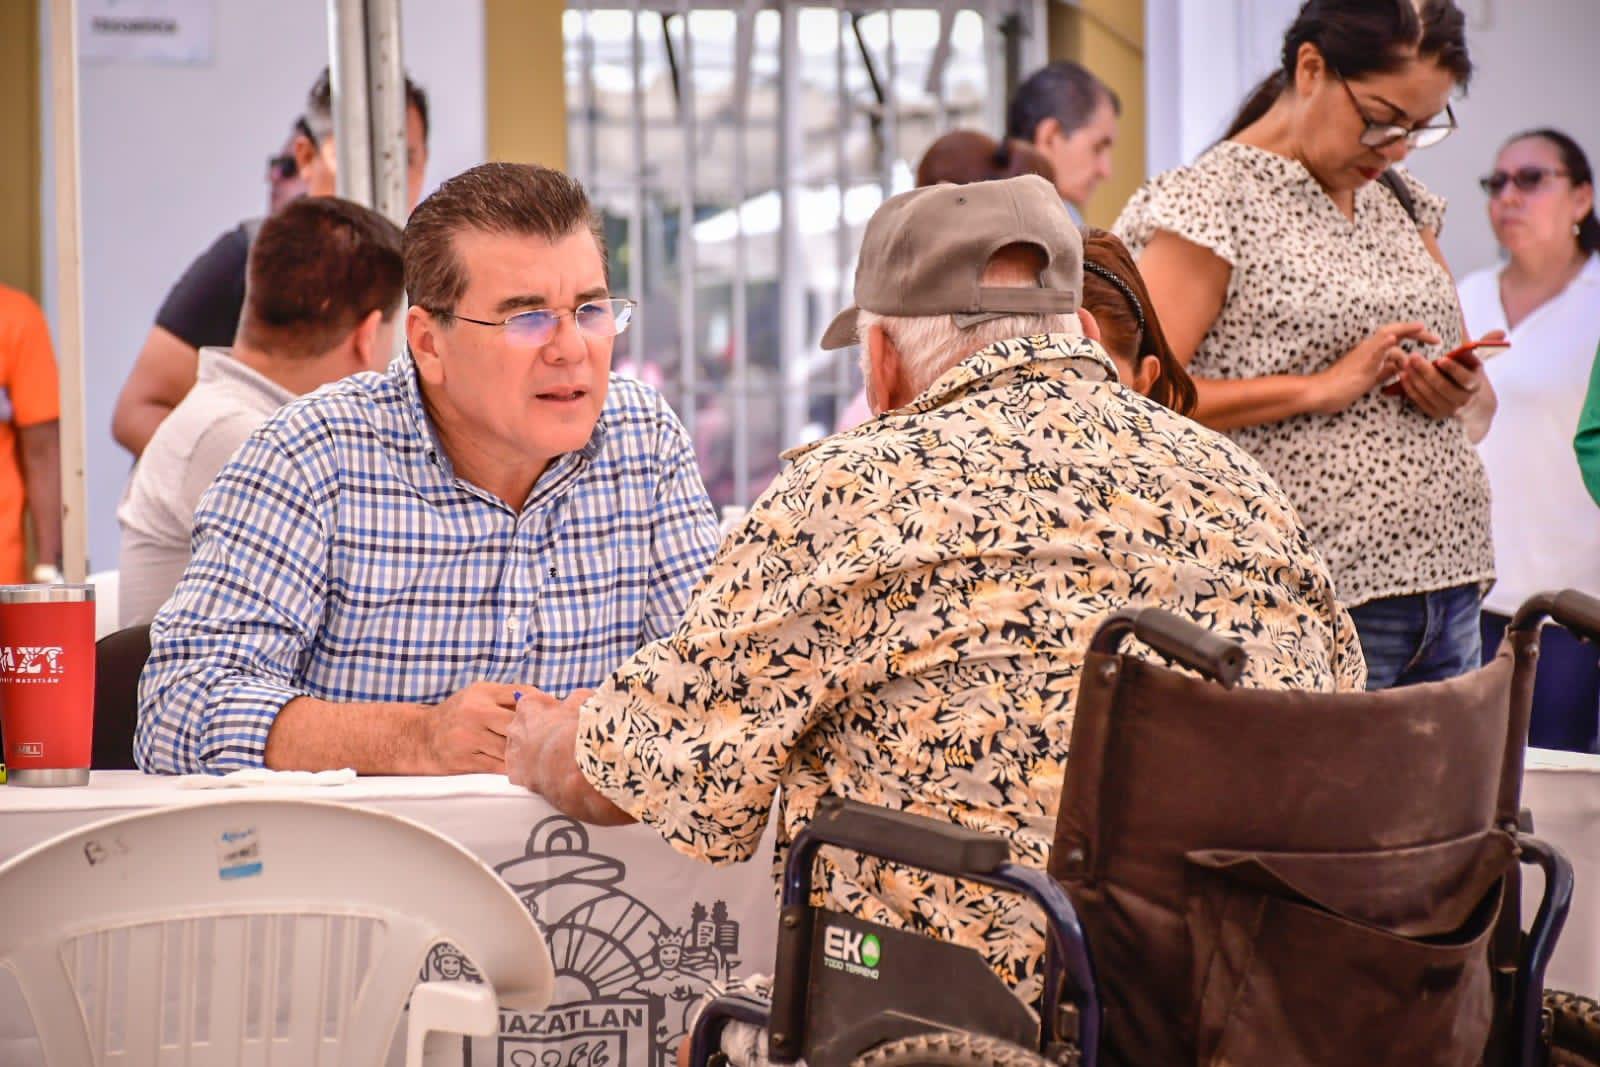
(47, 682)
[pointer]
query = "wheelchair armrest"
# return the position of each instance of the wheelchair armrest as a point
(912, 840)
(1188, 643)
(1540, 941)
(1577, 611)
(705, 1039)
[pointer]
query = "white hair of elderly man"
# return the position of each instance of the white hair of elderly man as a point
(929, 345)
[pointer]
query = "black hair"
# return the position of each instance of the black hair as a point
(1360, 37)
(1064, 91)
(1576, 164)
(319, 103)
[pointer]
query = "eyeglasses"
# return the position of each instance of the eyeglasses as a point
(597, 318)
(282, 168)
(1526, 179)
(1384, 134)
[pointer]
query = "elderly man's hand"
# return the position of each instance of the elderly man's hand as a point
(541, 757)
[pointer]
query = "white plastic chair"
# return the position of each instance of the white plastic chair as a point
(258, 932)
(105, 601)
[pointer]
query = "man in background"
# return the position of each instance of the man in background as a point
(1070, 116)
(30, 441)
(203, 307)
(324, 287)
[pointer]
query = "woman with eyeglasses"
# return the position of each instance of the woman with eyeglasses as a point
(1295, 273)
(1546, 297)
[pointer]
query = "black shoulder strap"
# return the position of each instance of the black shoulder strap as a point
(1401, 193)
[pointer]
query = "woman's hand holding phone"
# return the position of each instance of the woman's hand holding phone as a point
(1443, 386)
(1469, 355)
(1364, 366)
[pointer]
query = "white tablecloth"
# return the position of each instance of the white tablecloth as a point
(604, 896)
(1562, 789)
(596, 882)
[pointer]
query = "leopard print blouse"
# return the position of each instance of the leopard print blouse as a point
(1396, 501)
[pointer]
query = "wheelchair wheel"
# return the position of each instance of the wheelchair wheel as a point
(1575, 1029)
(954, 1048)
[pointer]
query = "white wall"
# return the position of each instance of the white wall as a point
(172, 156)
(1536, 66)
(1202, 57)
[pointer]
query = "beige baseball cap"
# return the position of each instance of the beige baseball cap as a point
(925, 252)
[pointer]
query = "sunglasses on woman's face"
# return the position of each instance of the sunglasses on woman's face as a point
(1526, 179)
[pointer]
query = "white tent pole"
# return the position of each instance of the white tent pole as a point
(386, 109)
(69, 281)
(352, 124)
(369, 125)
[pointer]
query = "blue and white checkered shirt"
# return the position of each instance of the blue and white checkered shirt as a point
(337, 556)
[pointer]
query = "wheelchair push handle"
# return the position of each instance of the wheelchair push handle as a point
(1577, 611)
(1188, 643)
(907, 839)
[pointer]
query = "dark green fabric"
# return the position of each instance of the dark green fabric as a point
(1587, 442)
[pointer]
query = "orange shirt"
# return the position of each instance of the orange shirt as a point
(31, 396)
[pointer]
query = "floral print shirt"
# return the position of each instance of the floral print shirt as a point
(901, 618)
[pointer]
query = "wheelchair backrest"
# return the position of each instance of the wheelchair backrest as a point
(1288, 877)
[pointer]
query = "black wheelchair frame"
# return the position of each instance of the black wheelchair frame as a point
(1069, 1023)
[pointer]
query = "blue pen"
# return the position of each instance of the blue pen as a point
(516, 695)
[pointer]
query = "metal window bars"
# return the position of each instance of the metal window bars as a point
(735, 150)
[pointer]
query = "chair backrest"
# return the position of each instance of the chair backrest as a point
(250, 932)
(1290, 877)
(118, 661)
(105, 601)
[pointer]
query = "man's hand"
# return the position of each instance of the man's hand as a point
(467, 733)
(541, 756)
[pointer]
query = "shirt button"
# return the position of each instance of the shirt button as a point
(513, 625)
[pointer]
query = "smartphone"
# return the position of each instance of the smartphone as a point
(1469, 355)
(1472, 354)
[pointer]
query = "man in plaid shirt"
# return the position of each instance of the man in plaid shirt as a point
(386, 562)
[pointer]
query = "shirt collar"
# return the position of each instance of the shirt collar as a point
(1590, 274)
(1056, 355)
(403, 371)
(1281, 172)
(218, 364)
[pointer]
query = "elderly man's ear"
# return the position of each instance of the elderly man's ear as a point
(887, 386)
(884, 370)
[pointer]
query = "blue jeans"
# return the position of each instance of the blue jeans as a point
(1425, 637)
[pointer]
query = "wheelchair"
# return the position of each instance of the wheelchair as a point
(1239, 877)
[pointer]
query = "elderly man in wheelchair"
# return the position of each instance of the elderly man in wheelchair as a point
(904, 619)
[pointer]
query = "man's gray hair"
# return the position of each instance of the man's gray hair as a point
(929, 345)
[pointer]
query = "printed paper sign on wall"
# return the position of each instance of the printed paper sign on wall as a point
(147, 31)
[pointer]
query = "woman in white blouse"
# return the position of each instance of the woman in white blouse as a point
(1295, 283)
(1546, 296)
